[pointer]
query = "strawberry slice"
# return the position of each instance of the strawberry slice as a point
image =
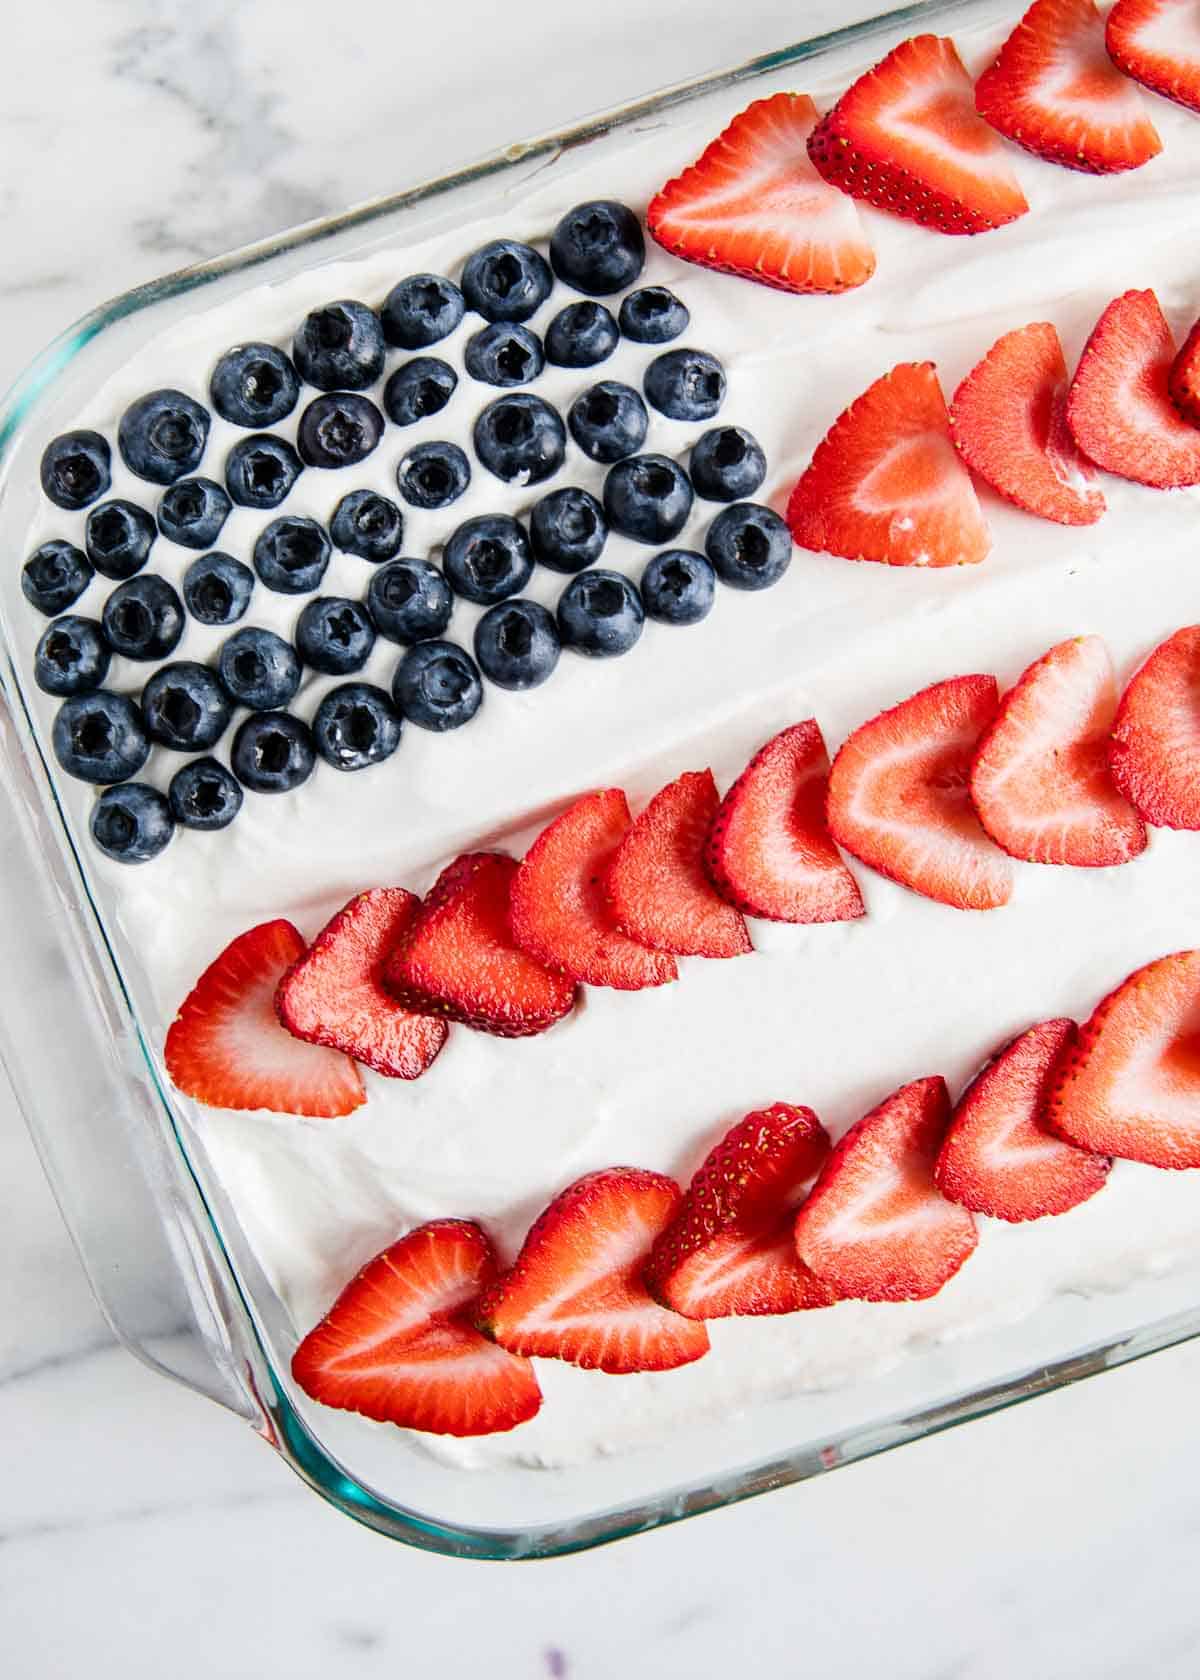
(1009, 421)
(1119, 407)
(1154, 753)
(898, 796)
(1157, 42)
(227, 1049)
(752, 204)
(657, 887)
(398, 1344)
(906, 137)
(729, 1250)
(874, 1225)
(458, 958)
(1040, 779)
(885, 483)
(1131, 1085)
(769, 849)
(334, 994)
(997, 1157)
(1183, 381)
(576, 1289)
(560, 911)
(1054, 90)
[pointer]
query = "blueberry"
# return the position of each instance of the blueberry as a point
(504, 353)
(132, 823)
(409, 600)
(71, 657)
(185, 707)
(516, 644)
(487, 559)
(335, 635)
(260, 470)
(417, 389)
(648, 498)
(143, 619)
(600, 613)
(685, 384)
(520, 439)
(653, 315)
(437, 686)
(55, 576)
(506, 281)
(356, 726)
(598, 247)
(340, 347)
(291, 555)
(118, 537)
(368, 525)
(99, 737)
(273, 753)
(217, 589)
(727, 464)
(432, 475)
(76, 469)
(339, 430)
(204, 795)
(258, 669)
(608, 422)
(193, 512)
(162, 436)
(749, 545)
(420, 311)
(254, 385)
(568, 530)
(678, 587)
(581, 335)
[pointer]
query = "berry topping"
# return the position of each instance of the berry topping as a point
(185, 707)
(727, 464)
(560, 910)
(1183, 382)
(162, 436)
(568, 530)
(653, 315)
(272, 753)
(254, 385)
(487, 559)
(885, 483)
(291, 555)
(260, 470)
(131, 824)
(421, 310)
(217, 589)
(504, 353)
(367, 524)
(204, 795)
(340, 347)
(648, 498)
(143, 619)
(730, 1250)
(754, 205)
(339, 430)
(581, 335)
(432, 475)
(259, 669)
(1154, 41)
(437, 686)
(608, 421)
(118, 537)
(601, 614)
(334, 635)
(506, 281)
(76, 469)
(54, 577)
(99, 737)
(899, 799)
(71, 657)
(334, 993)
(769, 850)
(678, 587)
(1009, 422)
(409, 600)
(520, 439)
(749, 545)
(193, 512)
(417, 389)
(398, 1346)
(356, 726)
(576, 1291)
(517, 645)
(685, 384)
(657, 887)
(1154, 752)
(598, 248)
(226, 1047)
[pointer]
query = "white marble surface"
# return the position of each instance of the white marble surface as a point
(144, 1532)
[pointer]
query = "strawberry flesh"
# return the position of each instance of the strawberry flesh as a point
(1183, 381)
(1154, 753)
(1157, 43)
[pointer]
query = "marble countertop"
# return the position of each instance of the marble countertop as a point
(143, 1531)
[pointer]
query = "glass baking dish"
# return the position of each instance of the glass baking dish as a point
(162, 1247)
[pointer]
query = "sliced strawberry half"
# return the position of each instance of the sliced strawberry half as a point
(334, 994)
(729, 1250)
(1009, 421)
(898, 796)
(753, 204)
(1157, 42)
(1119, 407)
(227, 1049)
(885, 483)
(1054, 90)
(398, 1344)
(1131, 1084)
(560, 911)
(769, 848)
(1154, 753)
(576, 1290)
(1040, 779)
(657, 886)
(875, 1225)
(458, 958)
(906, 137)
(998, 1158)
(1183, 381)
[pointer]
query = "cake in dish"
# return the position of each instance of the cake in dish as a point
(541, 827)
